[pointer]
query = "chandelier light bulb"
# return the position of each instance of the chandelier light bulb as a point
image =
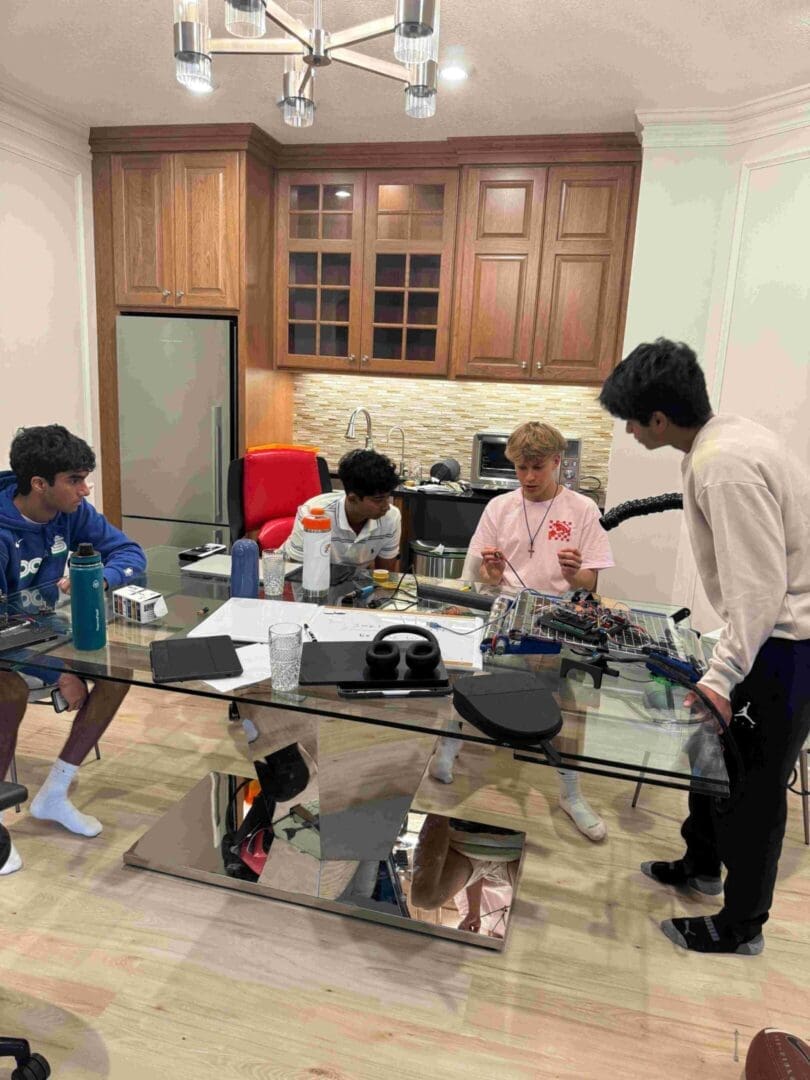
(298, 112)
(420, 95)
(416, 31)
(297, 102)
(245, 18)
(191, 36)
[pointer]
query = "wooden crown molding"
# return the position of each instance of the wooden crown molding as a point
(622, 146)
(179, 137)
(472, 150)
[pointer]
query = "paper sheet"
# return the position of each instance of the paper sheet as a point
(459, 649)
(244, 619)
(255, 661)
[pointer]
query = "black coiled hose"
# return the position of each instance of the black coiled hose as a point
(656, 504)
(638, 507)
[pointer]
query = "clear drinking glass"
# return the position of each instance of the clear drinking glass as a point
(416, 471)
(273, 572)
(286, 642)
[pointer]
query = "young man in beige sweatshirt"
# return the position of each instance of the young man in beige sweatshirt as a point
(747, 505)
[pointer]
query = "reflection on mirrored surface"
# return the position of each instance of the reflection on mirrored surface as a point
(448, 877)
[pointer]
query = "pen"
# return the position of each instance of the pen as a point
(311, 635)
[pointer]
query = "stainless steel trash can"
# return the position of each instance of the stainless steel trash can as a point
(436, 560)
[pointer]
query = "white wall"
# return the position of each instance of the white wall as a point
(48, 369)
(720, 262)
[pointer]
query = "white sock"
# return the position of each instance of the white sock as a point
(51, 803)
(447, 750)
(578, 808)
(13, 861)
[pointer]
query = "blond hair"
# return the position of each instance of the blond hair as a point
(534, 442)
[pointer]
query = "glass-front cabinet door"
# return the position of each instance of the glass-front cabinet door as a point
(408, 271)
(319, 267)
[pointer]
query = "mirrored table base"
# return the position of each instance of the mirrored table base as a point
(224, 833)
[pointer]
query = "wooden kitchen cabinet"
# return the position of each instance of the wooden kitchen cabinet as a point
(143, 218)
(176, 236)
(408, 271)
(498, 266)
(319, 270)
(585, 247)
(364, 270)
(541, 269)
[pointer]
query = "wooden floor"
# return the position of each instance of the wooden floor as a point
(121, 973)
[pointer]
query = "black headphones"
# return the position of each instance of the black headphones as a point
(421, 657)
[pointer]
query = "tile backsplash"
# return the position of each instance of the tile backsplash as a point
(440, 418)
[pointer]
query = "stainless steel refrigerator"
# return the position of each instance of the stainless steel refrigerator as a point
(177, 424)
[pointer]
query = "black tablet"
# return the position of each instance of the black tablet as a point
(338, 573)
(184, 659)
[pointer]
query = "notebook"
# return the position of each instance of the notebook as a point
(183, 659)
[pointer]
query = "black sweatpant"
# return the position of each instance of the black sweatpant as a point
(745, 832)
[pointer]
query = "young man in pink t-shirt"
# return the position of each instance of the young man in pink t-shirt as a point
(540, 536)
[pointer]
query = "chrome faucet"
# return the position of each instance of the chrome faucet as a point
(401, 470)
(350, 432)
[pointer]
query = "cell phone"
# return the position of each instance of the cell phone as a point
(59, 700)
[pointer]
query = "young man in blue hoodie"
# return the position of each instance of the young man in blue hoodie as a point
(43, 516)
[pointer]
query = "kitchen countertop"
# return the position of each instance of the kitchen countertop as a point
(478, 495)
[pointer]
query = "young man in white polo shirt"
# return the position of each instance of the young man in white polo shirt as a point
(539, 536)
(365, 526)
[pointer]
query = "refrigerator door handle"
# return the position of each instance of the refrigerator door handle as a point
(216, 435)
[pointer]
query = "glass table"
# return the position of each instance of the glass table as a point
(325, 814)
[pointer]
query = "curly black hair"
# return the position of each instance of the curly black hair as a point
(665, 377)
(46, 451)
(365, 472)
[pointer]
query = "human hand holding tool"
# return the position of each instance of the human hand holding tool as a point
(493, 564)
(570, 560)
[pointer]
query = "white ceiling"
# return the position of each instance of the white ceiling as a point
(538, 66)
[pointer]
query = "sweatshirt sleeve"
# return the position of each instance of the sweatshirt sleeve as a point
(749, 548)
(123, 559)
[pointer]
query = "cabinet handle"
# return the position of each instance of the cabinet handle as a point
(523, 366)
(538, 366)
(180, 294)
(167, 293)
(351, 358)
(363, 359)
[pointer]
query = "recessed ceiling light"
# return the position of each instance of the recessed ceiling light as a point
(453, 73)
(343, 194)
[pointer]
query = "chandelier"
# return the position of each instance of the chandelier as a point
(414, 24)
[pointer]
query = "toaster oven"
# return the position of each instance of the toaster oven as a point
(490, 468)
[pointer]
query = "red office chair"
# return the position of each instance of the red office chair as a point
(266, 487)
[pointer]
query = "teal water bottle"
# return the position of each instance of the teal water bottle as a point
(87, 599)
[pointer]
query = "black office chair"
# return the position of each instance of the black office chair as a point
(29, 1066)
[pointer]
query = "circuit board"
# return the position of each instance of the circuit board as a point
(533, 622)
